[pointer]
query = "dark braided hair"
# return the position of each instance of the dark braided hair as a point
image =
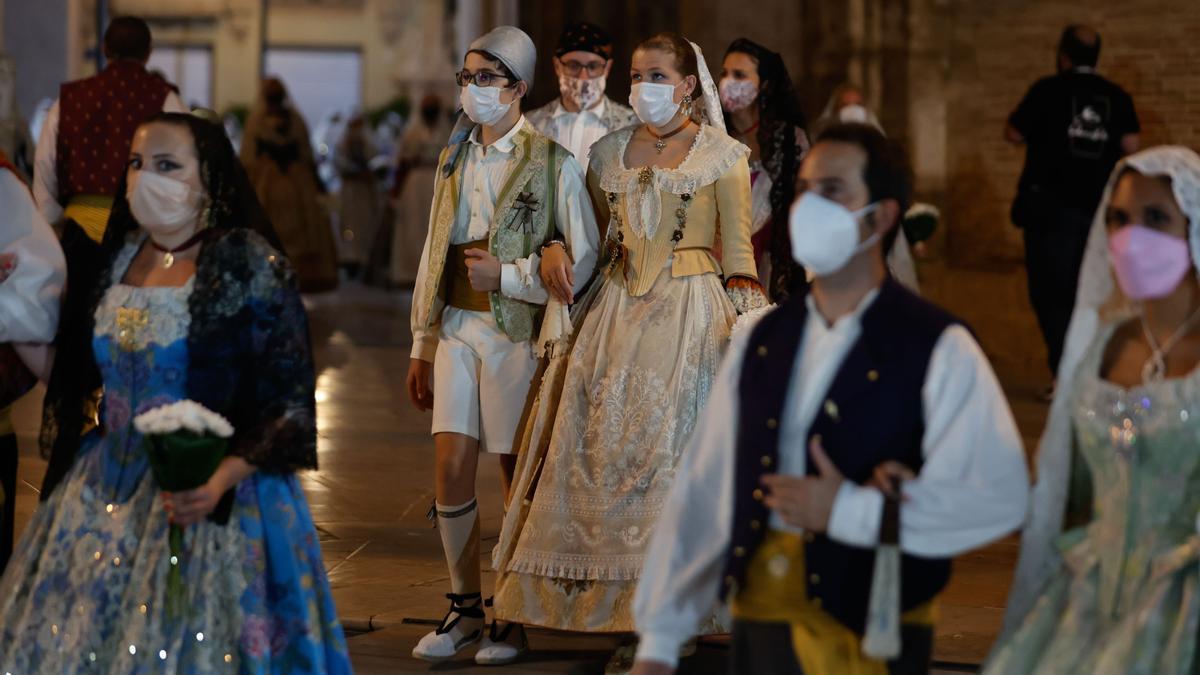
(74, 378)
(782, 140)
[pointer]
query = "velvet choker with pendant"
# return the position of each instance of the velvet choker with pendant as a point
(168, 259)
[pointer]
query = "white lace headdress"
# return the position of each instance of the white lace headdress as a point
(710, 111)
(1039, 559)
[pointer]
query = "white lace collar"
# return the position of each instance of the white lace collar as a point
(711, 155)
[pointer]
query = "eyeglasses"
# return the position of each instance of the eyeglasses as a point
(594, 68)
(482, 79)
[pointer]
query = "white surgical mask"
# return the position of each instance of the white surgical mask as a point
(737, 94)
(854, 113)
(585, 93)
(482, 104)
(160, 204)
(825, 234)
(654, 103)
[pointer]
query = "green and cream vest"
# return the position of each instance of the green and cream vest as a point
(522, 221)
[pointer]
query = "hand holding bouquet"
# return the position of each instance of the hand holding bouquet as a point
(185, 443)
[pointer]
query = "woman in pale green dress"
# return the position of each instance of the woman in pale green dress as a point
(1109, 576)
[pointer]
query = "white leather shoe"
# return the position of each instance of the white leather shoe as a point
(503, 647)
(462, 627)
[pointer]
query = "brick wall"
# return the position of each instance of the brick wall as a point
(995, 51)
(1000, 48)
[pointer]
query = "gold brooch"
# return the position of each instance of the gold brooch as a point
(130, 323)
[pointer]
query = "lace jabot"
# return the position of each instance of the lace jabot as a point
(711, 155)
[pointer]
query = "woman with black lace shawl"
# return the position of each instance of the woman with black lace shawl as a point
(217, 319)
(762, 111)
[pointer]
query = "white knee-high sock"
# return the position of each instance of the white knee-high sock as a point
(459, 527)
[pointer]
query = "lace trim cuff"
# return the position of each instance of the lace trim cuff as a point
(746, 297)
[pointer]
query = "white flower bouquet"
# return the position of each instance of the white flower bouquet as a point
(185, 443)
(183, 416)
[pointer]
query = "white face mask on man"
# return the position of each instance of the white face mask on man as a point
(162, 206)
(825, 234)
(654, 103)
(482, 104)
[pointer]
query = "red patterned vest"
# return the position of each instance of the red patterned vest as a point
(96, 120)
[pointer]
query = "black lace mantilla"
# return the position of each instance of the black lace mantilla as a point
(250, 359)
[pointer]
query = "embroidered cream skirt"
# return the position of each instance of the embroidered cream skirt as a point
(599, 451)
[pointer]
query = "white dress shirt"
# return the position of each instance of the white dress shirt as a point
(485, 168)
(578, 131)
(972, 489)
(29, 298)
(45, 160)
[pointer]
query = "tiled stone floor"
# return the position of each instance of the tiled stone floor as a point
(374, 486)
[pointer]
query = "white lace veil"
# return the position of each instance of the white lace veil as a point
(1097, 295)
(710, 110)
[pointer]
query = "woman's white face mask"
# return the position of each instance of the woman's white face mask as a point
(163, 181)
(854, 113)
(654, 103)
(162, 205)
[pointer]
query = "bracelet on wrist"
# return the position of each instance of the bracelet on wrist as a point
(553, 242)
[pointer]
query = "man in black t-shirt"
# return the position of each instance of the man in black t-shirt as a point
(1075, 126)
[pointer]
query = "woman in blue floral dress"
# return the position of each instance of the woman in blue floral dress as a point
(192, 303)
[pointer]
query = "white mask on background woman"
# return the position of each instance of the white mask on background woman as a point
(854, 113)
(654, 103)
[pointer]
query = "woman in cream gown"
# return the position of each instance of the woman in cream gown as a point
(613, 414)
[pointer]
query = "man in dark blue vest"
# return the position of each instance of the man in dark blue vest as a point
(777, 505)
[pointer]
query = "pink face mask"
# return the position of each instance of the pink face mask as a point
(1148, 264)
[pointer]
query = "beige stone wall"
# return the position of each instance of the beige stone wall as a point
(404, 44)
